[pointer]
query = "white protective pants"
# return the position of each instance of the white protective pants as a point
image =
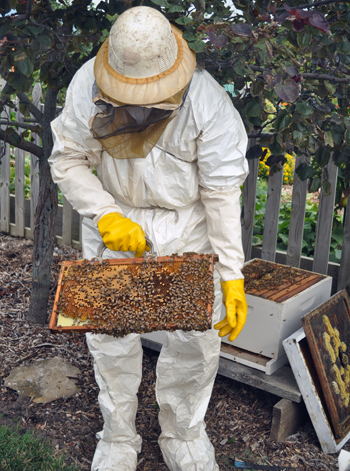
(186, 372)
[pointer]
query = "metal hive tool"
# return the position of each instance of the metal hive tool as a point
(121, 296)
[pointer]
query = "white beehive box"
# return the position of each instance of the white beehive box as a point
(277, 296)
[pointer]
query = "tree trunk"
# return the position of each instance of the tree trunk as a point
(44, 226)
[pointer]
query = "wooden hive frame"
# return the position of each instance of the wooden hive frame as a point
(127, 272)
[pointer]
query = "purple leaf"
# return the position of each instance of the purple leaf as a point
(217, 41)
(299, 14)
(272, 80)
(319, 21)
(288, 90)
(297, 78)
(282, 18)
(292, 71)
(242, 29)
(298, 25)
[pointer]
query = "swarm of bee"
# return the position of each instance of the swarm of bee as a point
(260, 275)
(118, 299)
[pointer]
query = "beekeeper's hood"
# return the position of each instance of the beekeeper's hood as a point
(142, 74)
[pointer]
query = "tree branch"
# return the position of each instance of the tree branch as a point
(20, 124)
(312, 5)
(28, 12)
(23, 144)
(32, 108)
(312, 76)
(258, 134)
(48, 5)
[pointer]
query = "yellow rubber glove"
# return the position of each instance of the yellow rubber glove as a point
(120, 233)
(233, 297)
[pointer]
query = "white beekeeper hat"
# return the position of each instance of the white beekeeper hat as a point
(145, 59)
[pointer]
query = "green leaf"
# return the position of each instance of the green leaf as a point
(239, 69)
(328, 139)
(24, 66)
(304, 171)
(297, 136)
(35, 29)
(15, 139)
(338, 235)
(337, 253)
(337, 134)
(275, 148)
(19, 81)
(4, 29)
(197, 46)
(322, 156)
(284, 238)
(347, 137)
(256, 121)
(326, 188)
(315, 184)
(253, 108)
(183, 20)
(189, 36)
(304, 108)
(116, 6)
(343, 46)
(255, 152)
(256, 241)
(283, 121)
(161, 3)
(44, 40)
(8, 90)
(331, 88)
(175, 9)
(304, 39)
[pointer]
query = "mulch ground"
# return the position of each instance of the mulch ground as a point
(238, 418)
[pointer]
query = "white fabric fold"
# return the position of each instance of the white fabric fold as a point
(222, 209)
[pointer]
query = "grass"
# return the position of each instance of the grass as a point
(26, 451)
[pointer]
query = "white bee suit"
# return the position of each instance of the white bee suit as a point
(185, 195)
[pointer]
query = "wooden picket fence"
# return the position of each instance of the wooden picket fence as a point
(17, 215)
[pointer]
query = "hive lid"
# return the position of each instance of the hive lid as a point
(276, 282)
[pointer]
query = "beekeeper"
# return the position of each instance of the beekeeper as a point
(148, 144)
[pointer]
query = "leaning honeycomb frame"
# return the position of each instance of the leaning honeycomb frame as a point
(135, 295)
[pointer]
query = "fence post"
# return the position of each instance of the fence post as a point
(18, 229)
(344, 270)
(248, 204)
(5, 179)
(297, 218)
(273, 204)
(67, 219)
(325, 222)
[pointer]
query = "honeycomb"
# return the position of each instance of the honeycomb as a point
(118, 297)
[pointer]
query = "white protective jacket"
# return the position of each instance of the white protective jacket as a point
(184, 194)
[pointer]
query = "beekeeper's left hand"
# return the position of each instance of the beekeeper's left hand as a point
(233, 297)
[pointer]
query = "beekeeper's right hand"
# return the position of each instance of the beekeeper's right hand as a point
(120, 233)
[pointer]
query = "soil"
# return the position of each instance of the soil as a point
(238, 418)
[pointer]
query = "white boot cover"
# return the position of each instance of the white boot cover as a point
(189, 455)
(186, 371)
(110, 456)
(118, 370)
